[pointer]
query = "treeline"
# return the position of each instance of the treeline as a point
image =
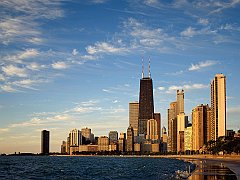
(225, 145)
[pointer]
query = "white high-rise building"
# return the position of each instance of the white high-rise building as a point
(75, 137)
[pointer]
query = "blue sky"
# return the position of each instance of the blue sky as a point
(75, 64)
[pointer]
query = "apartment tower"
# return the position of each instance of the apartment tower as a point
(218, 105)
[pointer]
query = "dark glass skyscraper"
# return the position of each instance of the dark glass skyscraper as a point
(146, 106)
(45, 142)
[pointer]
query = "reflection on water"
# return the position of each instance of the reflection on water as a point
(208, 171)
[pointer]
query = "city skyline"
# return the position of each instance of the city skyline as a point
(74, 66)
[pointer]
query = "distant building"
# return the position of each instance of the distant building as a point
(75, 137)
(230, 133)
(157, 116)
(180, 141)
(180, 102)
(133, 117)
(164, 140)
(64, 147)
(152, 130)
(137, 147)
(172, 127)
(45, 142)
(103, 143)
(113, 137)
(199, 126)
(130, 139)
(146, 106)
(87, 135)
(188, 139)
(218, 105)
(122, 142)
(182, 123)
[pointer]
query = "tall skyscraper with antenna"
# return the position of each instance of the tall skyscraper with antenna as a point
(146, 106)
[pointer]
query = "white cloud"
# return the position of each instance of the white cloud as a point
(161, 88)
(88, 57)
(28, 53)
(190, 32)
(105, 47)
(202, 64)
(203, 21)
(12, 70)
(234, 110)
(59, 65)
(74, 52)
(2, 78)
(174, 88)
(7, 88)
(35, 66)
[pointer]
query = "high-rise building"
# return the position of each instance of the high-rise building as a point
(172, 127)
(146, 106)
(130, 139)
(199, 126)
(152, 129)
(164, 140)
(86, 134)
(180, 102)
(133, 116)
(122, 142)
(218, 105)
(45, 142)
(113, 137)
(75, 137)
(182, 123)
(103, 143)
(64, 147)
(157, 116)
(188, 139)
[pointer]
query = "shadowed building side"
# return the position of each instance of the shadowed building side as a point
(45, 142)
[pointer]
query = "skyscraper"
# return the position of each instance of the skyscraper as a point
(75, 137)
(172, 127)
(182, 123)
(157, 116)
(133, 116)
(188, 139)
(122, 142)
(152, 130)
(113, 137)
(199, 126)
(130, 139)
(86, 134)
(180, 102)
(218, 105)
(146, 106)
(45, 142)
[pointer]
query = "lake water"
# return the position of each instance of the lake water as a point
(78, 167)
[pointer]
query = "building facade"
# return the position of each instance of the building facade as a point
(152, 130)
(103, 143)
(45, 136)
(130, 139)
(218, 105)
(133, 116)
(113, 137)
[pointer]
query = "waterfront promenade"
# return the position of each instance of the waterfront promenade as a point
(213, 165)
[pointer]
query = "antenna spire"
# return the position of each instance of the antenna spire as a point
(149, 72)
(142, 69)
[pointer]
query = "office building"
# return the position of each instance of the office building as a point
(218, 105)
(64, 147)
(86, 135)
(199, 126)
(188, 139)
(164, 140)
(103, 143)
(172, 127)
(75, 137)
(45, 135)
(180, 102)
(133, 116)
(157, 116)
(152, 129)
(130, 139)
(146, 106)
(122, 142)
(113, 137)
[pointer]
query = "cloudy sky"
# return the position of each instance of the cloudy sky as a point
(74, 64)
